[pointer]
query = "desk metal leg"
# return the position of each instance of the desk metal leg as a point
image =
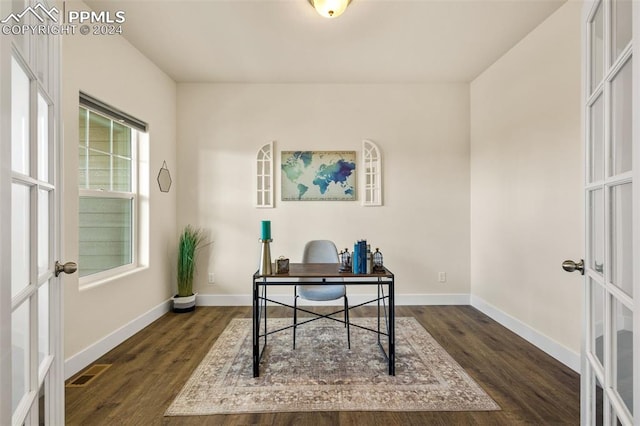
(392, 327)
(256, 330)
(378, 311)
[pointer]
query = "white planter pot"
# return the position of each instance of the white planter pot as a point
(184, 304)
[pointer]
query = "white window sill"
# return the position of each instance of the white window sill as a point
(89, 282)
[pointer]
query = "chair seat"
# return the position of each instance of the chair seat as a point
(321, 292)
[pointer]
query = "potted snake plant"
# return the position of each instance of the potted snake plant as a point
(191, 240)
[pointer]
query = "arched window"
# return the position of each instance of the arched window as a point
(264, 176)
(372, 162)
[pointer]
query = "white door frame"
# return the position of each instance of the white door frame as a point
(588, 416)
(636, 209)
(54, 384)
(5, 221)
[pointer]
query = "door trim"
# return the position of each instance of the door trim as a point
(5, 221)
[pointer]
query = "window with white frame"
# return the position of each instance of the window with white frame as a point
(108, 189)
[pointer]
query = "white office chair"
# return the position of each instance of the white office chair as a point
(320, 251)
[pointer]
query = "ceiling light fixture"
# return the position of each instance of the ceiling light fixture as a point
(330, 8)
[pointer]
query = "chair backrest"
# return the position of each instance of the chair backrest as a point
(320, 251)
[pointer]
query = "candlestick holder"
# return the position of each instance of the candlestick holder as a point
(265, 258)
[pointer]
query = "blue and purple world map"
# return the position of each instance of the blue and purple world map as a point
(318, 175)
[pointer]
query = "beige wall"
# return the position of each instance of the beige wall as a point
(422, 131)
(110, 69)
(526, 174)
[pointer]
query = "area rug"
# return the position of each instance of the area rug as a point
(321, 374)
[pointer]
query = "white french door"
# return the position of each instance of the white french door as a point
(610, 391)
(31, 365)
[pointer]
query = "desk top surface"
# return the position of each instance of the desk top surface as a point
(322, 270)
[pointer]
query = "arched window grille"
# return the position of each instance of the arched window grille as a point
(372, 162)
(264, 176)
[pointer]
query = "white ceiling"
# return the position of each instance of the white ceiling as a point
(285, 41)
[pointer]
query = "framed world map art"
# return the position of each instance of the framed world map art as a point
(318, 175)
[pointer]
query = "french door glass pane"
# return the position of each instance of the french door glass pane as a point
(20, 237)
(19, 119)
(621, 119)
(623, 323)
(596, 29)
(43, 139)
(621, 237)
(596, 140)
(598, 395)
(621, 20)
(597, 320)
(21, 40)
(19, 353)
(43, 231)
(42, 53)
(42, 404)
(43, 322)
(105, 234)
(596, 227)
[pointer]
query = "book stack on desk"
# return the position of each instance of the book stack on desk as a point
(361, 258)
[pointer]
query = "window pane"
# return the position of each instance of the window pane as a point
(82, 119)
(43, 322)
(22, 39)
(596, 229)
(621, 241)
(83, 167)
(42, 53)
(598, 402)
(19, 119)
(20, 237)
(597, 318)
(105, 234)
(99, 132)
(99, 173)
(121, 174)
(43, 231)
(623, 343)
(19, 353)
(621, 20)
(43, 139)
(621, 119)
(121, 140)
(597, 47)
(596, 141)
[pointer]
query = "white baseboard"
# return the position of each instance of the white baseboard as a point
(354, 299)
(542, 342)
(82, 359)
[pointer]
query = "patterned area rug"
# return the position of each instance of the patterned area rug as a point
(323, 375)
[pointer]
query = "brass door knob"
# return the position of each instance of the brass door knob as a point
(571, 266)
(67, 268)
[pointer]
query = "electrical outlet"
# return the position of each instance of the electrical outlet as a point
(442, 277)
(212, 278)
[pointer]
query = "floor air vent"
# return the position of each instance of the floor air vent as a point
(87, 376)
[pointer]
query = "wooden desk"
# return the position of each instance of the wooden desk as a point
(323, 271)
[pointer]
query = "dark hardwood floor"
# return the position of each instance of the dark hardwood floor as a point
(150, 368)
